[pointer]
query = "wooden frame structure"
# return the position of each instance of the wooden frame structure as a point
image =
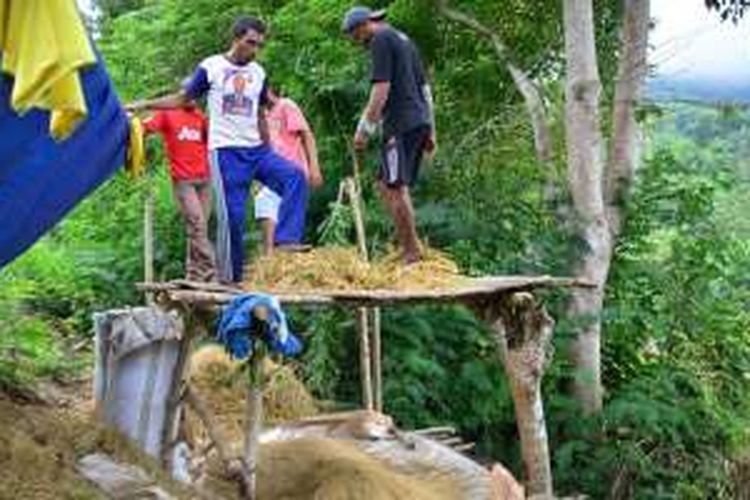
(521, 327)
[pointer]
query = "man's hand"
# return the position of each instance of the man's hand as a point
(360, 140)
(315, 179)
(133, 107)
(430, 145)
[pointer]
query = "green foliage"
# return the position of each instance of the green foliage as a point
(28, 350)
(676, 353)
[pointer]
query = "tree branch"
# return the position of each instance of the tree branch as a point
(530, 92)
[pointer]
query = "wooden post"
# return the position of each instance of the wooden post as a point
(254, 407)
(364, 358)
(367, 333)
(523, 331)
(253, 421)
(174, 399)
(377, 356)
(148, 237)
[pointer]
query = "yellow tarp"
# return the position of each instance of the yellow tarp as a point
(44, 45)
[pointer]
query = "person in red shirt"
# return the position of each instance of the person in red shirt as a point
(185, 133)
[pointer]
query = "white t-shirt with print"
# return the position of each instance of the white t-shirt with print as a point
(234, 97)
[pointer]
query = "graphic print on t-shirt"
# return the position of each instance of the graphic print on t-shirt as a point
(189, 134)
(275, 125)
(235, 100)
(233, 96)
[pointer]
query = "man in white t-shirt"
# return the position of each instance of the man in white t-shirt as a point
(235, 85)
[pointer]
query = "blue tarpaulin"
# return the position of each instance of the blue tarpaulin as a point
(41, 180)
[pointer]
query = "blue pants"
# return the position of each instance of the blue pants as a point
(233, 170)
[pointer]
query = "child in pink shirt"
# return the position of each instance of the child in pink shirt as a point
(292, 138)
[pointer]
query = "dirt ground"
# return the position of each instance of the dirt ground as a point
(43, 435)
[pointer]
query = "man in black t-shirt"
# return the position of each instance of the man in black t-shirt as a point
(401, 98)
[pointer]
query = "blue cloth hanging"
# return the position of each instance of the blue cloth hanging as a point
(41, 179)
(237, 321)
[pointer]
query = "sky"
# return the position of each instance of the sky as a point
(86, 5)
(691, 43)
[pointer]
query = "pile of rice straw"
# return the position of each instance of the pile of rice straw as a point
(331, 469)
(222, 384)
(341, 268)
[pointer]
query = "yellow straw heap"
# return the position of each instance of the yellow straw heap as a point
(341, 268)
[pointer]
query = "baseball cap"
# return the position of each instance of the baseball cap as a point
(358, 15)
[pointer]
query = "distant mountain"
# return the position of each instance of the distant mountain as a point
(670, 89)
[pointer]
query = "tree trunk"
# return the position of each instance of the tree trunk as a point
(626, 139)
(585, 169)
(523, 333)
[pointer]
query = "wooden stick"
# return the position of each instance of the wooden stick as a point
(355, 197)
(148, 237)
(253, 421)
(364, 358)
(377, 356)
(461, 448)
(254, 407)
(435, 430)
(451, 441)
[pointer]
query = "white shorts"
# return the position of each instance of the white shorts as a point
(267, 204)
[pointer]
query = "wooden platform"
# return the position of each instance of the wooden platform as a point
(472, 290)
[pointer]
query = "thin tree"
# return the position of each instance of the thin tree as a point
(599, 183)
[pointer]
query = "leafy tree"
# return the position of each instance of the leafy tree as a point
(728, 9)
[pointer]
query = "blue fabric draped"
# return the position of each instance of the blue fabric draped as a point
(42, 180)
(237, 320)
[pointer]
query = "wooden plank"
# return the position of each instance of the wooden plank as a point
(473, 290)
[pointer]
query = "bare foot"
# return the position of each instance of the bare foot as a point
(411, 258)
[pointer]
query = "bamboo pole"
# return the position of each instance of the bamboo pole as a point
(376, 368)
(369, 337)
(148, 237)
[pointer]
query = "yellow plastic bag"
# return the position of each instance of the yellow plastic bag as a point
(135, 163)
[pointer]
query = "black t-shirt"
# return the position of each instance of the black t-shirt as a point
(395, 59)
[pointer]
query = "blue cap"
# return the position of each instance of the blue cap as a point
(358, 15)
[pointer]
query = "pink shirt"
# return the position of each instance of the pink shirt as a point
(285, 126)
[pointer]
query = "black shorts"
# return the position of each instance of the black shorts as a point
(401, 156)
